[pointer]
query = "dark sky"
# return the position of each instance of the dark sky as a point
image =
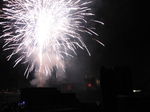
(126, 38)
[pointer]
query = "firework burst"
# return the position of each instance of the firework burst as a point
(44, 31)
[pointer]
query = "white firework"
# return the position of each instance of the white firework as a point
(42, 31)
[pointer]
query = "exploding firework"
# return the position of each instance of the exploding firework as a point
(44, 31)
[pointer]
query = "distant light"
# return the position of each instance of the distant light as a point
(22, 103)
(89, 85)
(69, 87)
(97, 82)
(136, 91)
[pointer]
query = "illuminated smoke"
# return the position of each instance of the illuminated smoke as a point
(43, 32)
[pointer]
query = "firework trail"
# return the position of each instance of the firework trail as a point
(43, 32)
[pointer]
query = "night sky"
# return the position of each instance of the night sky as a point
(125, 35)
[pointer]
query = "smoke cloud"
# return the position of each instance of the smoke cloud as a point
(50, 65)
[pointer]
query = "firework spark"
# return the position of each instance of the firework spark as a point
(44, 31)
